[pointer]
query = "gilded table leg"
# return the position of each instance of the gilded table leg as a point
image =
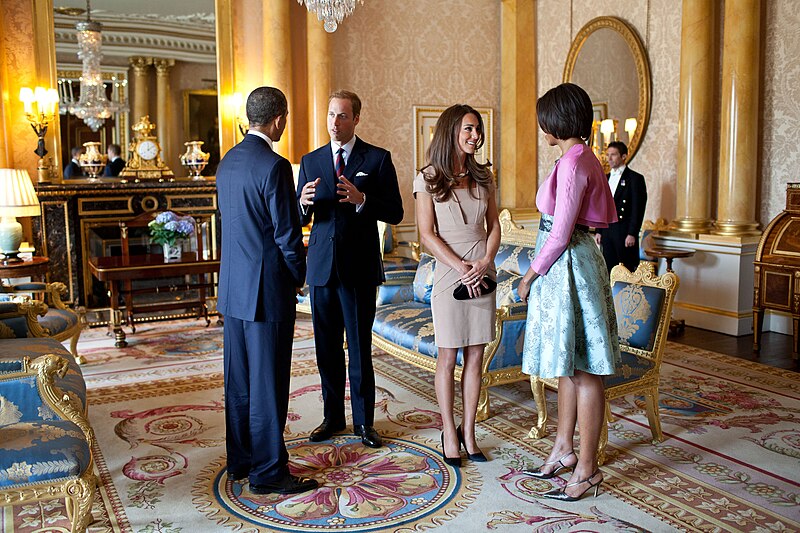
(540, 429)
(116, 317)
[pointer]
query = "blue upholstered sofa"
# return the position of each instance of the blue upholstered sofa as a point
(404, 327)
(45, 437)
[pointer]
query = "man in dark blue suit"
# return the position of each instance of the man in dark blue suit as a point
(620, 240)
(348, 186)
(115, 162)
(73, 168)
(262, 268)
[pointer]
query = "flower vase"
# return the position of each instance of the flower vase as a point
(172, 252)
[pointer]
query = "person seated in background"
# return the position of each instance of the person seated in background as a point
(115, 162)
(73, 169)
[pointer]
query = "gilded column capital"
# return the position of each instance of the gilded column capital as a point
(163, 66)
(139, 64)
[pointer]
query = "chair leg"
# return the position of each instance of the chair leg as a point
(483, 405)
(73, 347)
(540, 429)
(603, 442)
(651, 398)
(80, 501)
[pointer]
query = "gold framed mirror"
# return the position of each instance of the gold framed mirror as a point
(608, 59)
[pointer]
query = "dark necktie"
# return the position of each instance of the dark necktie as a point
(340, 162)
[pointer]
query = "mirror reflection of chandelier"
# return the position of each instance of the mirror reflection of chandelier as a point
(93, 106)
(331, 11)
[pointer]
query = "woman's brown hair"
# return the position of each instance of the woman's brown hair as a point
(441, 155)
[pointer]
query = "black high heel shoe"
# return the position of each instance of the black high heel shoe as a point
(561, 495)
(478, 456)
(452, 461)
(538, 474)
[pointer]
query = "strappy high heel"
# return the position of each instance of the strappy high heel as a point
(452, 461)
(478, 456)
(537, 473)
(561, 495)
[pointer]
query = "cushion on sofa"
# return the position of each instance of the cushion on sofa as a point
(32, 452)
(397, 262)
(394, 294)
(423, 279)
(408, 324)
(513, 258)
(507, 288)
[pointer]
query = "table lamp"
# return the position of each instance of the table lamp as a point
(17, 199)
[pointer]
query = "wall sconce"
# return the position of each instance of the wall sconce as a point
(40, 109)
(630, 128)
(237, 103)
(17, 199)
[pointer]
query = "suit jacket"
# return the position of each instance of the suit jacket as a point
(73, 170)
(113, 168)
(631, 200)
(342, 238)
(263, 259)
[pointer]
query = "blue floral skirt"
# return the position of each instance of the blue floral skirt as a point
(571, 320)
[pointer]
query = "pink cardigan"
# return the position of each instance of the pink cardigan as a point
(576, 192)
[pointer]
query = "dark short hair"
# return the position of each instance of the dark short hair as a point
(355, 101)
(565, 112)
(76, 151)
(620, 146)
(115, 149)
(265, 104)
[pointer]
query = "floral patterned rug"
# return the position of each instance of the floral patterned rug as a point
(730, 460)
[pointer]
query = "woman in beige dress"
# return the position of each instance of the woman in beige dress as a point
(458, 224)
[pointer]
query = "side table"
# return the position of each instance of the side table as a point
(35, 267)
(676, 327)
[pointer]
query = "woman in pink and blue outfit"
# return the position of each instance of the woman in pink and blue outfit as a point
(571, 330)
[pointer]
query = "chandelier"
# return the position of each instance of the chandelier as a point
(331, 11)
(93, 107)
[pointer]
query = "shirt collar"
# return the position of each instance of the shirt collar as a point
(259, 134)
(348, 147)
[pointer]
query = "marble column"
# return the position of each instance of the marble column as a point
(277, 56)
(163, 95)
(738, 158)
(140, 87)
(518, 160)
(696, 117)
(319, 64)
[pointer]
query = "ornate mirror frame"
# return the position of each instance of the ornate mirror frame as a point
(639, 53)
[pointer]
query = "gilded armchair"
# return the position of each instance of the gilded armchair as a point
(22, 315)
(643, 304)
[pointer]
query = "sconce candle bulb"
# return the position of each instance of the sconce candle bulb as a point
(40, 109)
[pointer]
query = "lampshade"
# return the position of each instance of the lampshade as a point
(17, 195)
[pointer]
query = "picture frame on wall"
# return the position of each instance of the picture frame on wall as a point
(425, 118)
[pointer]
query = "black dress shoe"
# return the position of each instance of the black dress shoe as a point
(368, 436)
(287, 485)
(478, 456)
(234, 475)
(326, 430)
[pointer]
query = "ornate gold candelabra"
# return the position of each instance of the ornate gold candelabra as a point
(40, 110)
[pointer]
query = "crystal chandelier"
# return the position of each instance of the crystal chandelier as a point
(331, 11)
(93, 107)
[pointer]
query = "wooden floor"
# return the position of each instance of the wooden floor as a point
(776, 348)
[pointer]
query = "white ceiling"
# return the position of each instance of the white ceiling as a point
(142, 7)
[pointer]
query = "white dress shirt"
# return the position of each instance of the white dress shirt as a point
(259, 134)
(613, 180)
(348, 149)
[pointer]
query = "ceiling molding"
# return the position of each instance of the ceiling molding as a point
(182, 37)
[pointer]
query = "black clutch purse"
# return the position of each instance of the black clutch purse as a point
(462, 293)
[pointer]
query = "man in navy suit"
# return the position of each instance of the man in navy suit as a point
(262, 268)
(115, 162)
(74, 169)
(348, 186)
(620, 240)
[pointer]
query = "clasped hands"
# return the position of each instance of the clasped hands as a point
(472, 273)
(344, 188)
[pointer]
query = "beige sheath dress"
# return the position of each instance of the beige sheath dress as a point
(460, 223)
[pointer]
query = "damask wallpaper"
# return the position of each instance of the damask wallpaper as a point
(399, 54)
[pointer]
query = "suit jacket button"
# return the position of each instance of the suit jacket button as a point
(620, 217)
(623, 201)
(330, 238)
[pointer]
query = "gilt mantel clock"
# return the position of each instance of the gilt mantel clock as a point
(144, 155)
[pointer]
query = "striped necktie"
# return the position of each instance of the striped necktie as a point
(340, 162)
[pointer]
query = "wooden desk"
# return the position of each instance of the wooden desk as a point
(676, 326)
(116, 270)
(35, 267)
